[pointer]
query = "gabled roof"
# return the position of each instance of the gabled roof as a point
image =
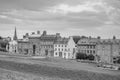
(76, 39)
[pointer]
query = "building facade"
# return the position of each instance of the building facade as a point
(34, 41)
(65, 48)
(108, 49)
(47, 43)
(87, 45)
(24, 47)
(13, 44)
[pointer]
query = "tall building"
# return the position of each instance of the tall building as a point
(15, 35)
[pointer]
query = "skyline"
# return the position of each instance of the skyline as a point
(68, 17)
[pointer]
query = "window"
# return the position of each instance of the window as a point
(65, 49)
(88, 51)
(94, 47)
(55, 45)
(56, 53)
(93, 52)
(59, 45)
(59, 49)
(64, 54)
(88, 47)
(91, 47)
(55, 49)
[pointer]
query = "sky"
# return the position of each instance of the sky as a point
(68, 17)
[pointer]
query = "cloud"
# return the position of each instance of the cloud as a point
(88, 16)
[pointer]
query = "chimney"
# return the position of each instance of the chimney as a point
(33, 33)
(90, 37)
(114, 37)
(58, 34)
(24, 36)
(98, 37)
(44, 33)
(27, 34)
(38, 32)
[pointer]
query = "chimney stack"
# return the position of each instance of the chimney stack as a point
(114, 37)
(44, 33)
(33, 33)
(38, 32)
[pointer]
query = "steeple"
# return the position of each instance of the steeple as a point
(15, 35)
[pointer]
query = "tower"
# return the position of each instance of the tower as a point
(15, 35)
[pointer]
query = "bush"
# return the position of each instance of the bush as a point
(84, 56)
(90, 57)
(81, 56)
(118, 61)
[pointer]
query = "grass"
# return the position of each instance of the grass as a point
(57, 69)
(13, 75)
(56, 72)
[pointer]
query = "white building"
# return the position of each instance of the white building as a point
(13, 46)
(65, 48)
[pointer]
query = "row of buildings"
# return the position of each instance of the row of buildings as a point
(104, 50)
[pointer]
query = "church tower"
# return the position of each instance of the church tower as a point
(15, 35)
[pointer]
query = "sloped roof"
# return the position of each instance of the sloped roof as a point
(62, 41)
(107, 41)
(48, 37)
(88, 41)
(76, 39)
(34, 36)
(3, 42)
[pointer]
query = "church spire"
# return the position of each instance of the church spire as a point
(15, 35)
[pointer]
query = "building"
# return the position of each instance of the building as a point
(65, 48)
(34, 40)
(3, 45)
(24, 47)
(108, 50)
(87, 45)
(13, 44)
(47, 43)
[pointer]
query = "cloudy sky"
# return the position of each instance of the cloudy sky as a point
(68, 17)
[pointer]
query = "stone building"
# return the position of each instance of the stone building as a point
(47, 43)
(65, 48)
(24, 47)
(87, 45)
(34, 40)
(108, 49)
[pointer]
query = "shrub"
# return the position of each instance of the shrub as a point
(118, 61)
(81, 56)
(85, 56)
(90, 57)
